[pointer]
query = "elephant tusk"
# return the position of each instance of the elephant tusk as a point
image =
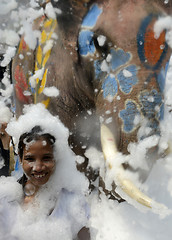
(110, 150)
(132, 191)
(108, 144)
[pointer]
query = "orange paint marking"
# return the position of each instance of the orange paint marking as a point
(21, 85)
(153, 47)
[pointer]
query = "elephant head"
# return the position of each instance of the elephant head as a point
(97, 58)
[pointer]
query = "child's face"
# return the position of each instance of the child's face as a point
(38, 161)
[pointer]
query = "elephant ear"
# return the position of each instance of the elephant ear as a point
(29, 70)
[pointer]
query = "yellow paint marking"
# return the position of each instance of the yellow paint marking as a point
(20, 46)
(49, 36)
(39, 55)
(37, 80)
(36, 66)
(48, 23)
(43, 37)
(47, 55)
(41, 58)
(46, 102)
(43, 82)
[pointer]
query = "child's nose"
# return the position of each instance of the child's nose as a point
(39, 166)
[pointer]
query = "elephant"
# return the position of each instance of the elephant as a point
(105, 70)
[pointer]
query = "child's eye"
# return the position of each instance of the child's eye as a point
(29, 159)
(48, 158)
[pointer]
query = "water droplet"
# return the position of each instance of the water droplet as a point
(29, 189)
(166, 1)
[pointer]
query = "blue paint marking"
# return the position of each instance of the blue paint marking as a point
(110, 86)
(141, 41)
(97, 69)
(119, 58)
(141, 38)
(127, 82)
(161, 80)
(128, 115)
(33, 90)
(92, 16)
(86, 43)
(18, 168)
(17, 164)
(160, 114)
(149, 101)
(166, 67)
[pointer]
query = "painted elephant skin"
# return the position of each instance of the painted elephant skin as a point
(105, 61)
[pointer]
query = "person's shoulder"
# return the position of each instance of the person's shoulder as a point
(69, 203)
(75, 196)
(76, 203)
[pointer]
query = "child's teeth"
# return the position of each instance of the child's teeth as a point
(39, 176)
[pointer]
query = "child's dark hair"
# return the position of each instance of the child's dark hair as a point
(36, 133)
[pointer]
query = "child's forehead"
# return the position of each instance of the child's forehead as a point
(36, 137)
(37, 143)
